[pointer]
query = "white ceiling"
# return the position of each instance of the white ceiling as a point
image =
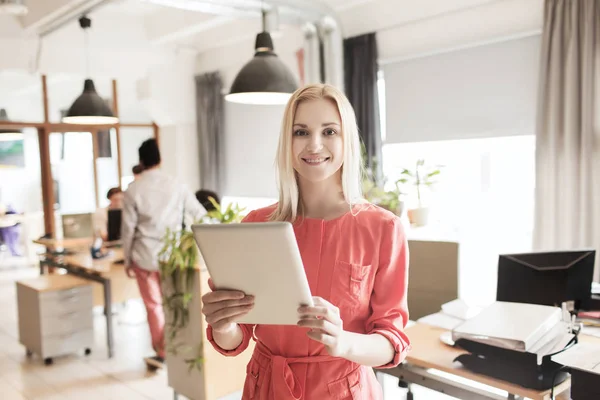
(139, 32)
(201, 31)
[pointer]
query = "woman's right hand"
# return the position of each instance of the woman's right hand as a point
(221, 307)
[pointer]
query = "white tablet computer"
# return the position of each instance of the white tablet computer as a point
(260, 259)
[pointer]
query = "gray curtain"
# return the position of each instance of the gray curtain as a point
(567, 192)
(360, 75)
(209, 117)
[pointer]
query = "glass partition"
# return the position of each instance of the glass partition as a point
(131, 139)
(71, 158)
(106, 164)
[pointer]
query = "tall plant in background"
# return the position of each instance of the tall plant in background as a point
(178, 268)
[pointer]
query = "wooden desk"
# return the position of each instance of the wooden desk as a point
(428, 352)
(72, 244)
(123, 288)
(113, 285)
(69, 244)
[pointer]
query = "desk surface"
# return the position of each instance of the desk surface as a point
(103, 265)
(429, 352)
(75, 243)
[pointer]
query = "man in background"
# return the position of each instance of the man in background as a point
(152, 204)
(115, 197)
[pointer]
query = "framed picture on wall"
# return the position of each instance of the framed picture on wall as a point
(12, 153)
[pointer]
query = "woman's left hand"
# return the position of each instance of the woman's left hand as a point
(325, 325)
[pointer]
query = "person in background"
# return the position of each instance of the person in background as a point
(137, 171)
(115, 197)
(356, 259)
(152, 204)
(202, 196)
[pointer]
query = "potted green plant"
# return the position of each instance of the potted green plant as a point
(391, 200)
(180, 279)
(422, 178)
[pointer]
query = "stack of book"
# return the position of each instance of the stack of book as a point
(515, 342)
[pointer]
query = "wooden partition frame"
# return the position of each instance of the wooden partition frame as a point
(45, 128)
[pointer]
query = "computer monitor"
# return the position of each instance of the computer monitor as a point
(546, 278)
(77, 225)
(113, 227)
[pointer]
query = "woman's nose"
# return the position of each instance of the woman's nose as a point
(315, 144)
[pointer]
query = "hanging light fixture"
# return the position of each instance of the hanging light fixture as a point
(11, 133)
(13, 7)
(265, 79)
(89, 108)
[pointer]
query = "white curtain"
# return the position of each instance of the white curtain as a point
(479, 92)
(568, 128)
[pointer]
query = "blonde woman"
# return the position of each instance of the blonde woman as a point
(356, 260)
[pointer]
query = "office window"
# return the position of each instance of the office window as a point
(484, 199)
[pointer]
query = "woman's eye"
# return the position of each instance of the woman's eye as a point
(300, 132)
(329, 132)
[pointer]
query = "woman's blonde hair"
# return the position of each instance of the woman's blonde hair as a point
(289, 195)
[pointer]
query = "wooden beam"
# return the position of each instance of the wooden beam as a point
(62, 127)
(47, 181)
(156, 130)
(95, 150)
(45, 101)
(115, 95)
(13, 124)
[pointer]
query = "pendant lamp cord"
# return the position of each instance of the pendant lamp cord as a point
(264, 15)
(87, 53)
(85, 23)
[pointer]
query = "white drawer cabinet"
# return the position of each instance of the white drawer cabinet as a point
(55, 315)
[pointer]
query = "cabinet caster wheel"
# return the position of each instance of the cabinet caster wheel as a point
(88, 351)
(28, 353)
(48, 361)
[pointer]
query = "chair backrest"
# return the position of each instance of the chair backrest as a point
(433, 276)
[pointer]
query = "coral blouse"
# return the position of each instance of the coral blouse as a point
(358, 262)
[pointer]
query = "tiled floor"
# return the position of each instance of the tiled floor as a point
(77, 376)
(95, 376)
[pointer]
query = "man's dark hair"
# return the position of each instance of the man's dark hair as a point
(137, 169)
(203, 194)
(149, 153)
(112, 192)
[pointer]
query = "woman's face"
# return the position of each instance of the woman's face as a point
(317, 141)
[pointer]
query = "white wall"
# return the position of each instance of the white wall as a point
(251, 136)
(405, 29)
(251, 131)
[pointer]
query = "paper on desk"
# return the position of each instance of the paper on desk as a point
(460, 309)
(582, 356)
(591, 330)
(441, 320)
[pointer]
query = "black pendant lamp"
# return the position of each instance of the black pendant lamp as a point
(89, 108)
(265, 79)
(10, 133)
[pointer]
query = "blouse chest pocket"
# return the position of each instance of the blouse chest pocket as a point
(350, 287)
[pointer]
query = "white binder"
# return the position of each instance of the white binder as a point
(514, 326)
